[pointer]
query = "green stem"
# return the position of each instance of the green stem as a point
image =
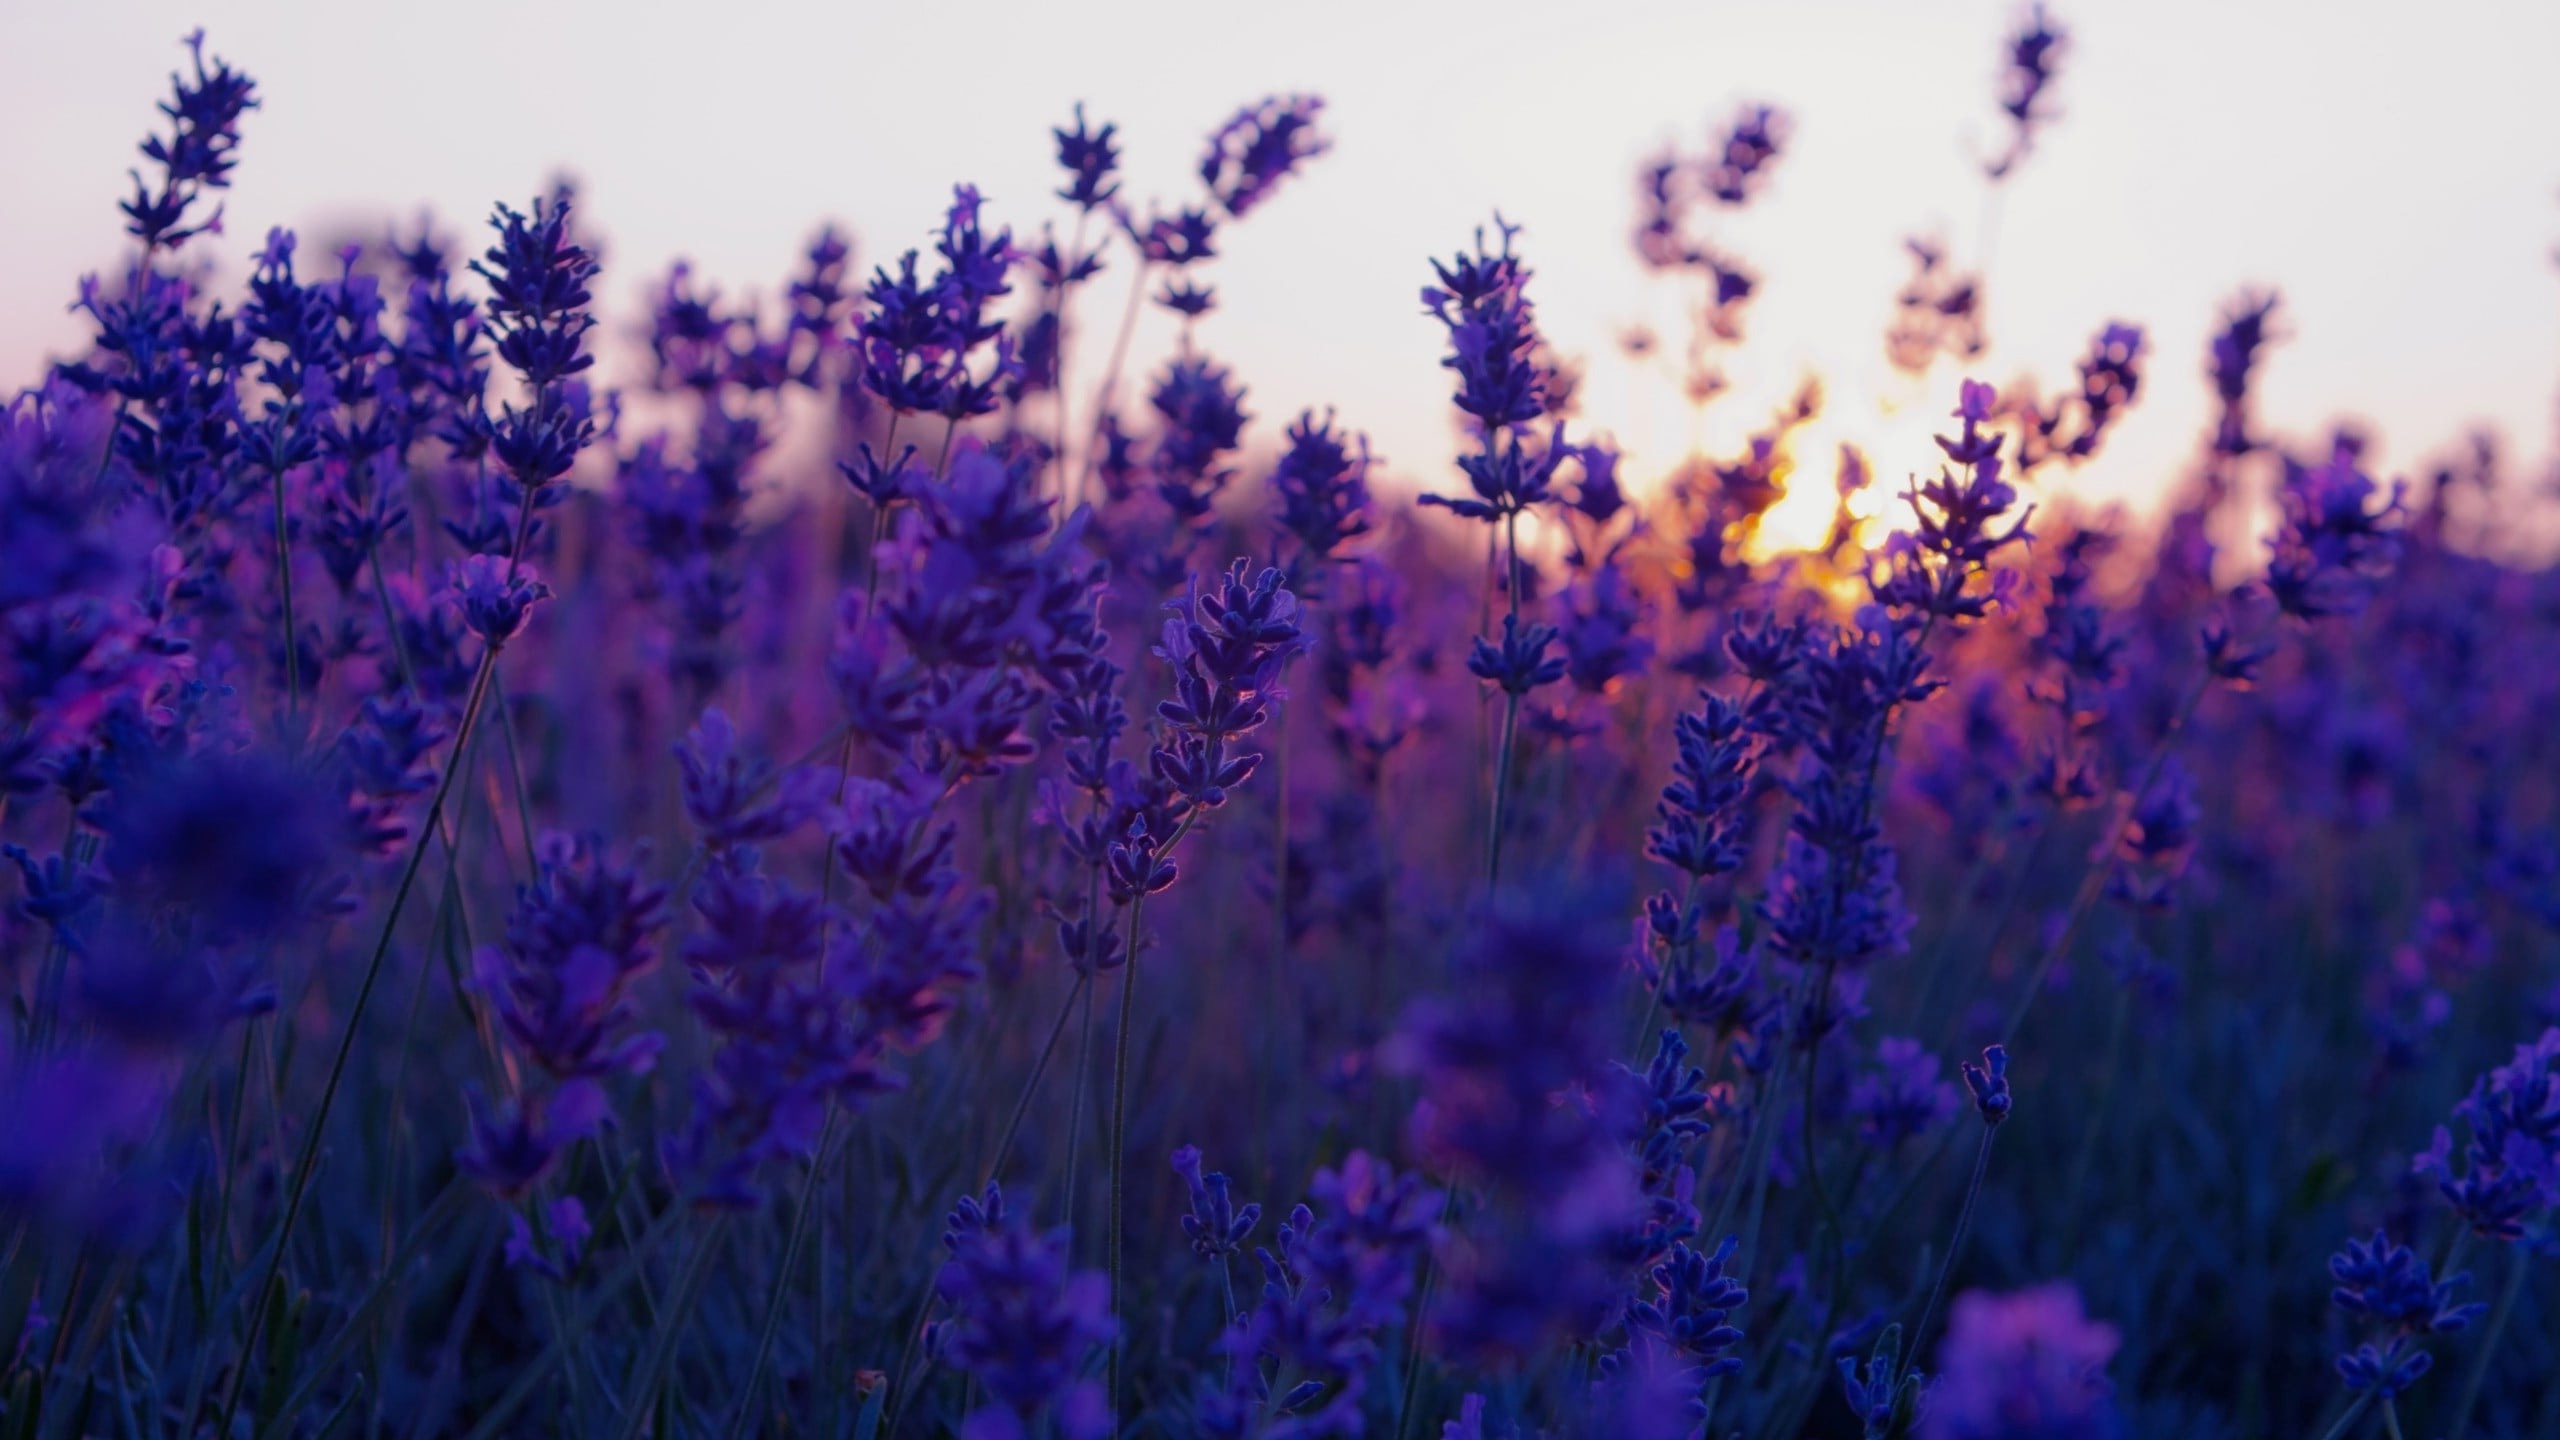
(2093, 881)
(2485, 1353)
(447, 1202)
(1120, 1121)
(317, 1126)
(1947, 1266)
(284, 587)
(643, 1393)
(1031, 1087)
(808, 1205)
(1111, 374)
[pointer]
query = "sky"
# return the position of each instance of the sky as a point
(2394, 170)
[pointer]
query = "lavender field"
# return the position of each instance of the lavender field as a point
(927, 867)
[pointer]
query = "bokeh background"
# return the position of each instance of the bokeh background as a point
(2394, 169)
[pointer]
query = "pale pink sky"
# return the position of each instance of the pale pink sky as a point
(2391, 167)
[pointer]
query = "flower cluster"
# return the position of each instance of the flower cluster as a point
(2506, 1175)
(2387, 1291)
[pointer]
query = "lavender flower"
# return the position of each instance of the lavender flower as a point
(539, 278)
(1521, 663)
(1203, 415)
(1332, 1287)
(1322, 481)
(197, 155)
(494, 596)
(2334, 542)
(2029, 1365)
(1989, 1082)
(1092, 163)
(1023, 1325)
(1601, 619)
(2509, 1169)
(920, 339)
(1216, 1226)
(1686, 1320)
(1524, 1029)
(2034, 51)
(1959, 523)
(2248, 324)
(1739, 166)
(1482, 300)
(1226, 651)
(2387, 1290)
(1903, 1096)
(1260, 147)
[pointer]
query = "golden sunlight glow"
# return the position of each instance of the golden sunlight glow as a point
(1895, 439)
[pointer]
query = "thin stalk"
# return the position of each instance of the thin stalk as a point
(1510, 702)
(2093, 1120)
(2093, 880)
(1947, 1265)
(2485, 1353)
(494, 1420)
(1413, 1329)
(317, 1125)
(662, 1344)
(808, 1205)
(1066, 291)
(391, 622)
(447, 1202)
(1501, 790)
(1031, 1087)
(515, 772)
(1075, 1116)
(1120, 1117)
(284, 587)
(1111, 375)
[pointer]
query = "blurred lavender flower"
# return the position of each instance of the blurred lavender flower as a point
(68, 1131)
(2034, 51)
(1260, 147)
(2334, 542)
(1092, 163)
(1023, 1326)
(2077, 424)
(1322, 482)
(1601, 618)
(2028, 1365)
(1332, 1287)
(1500, 1059)
(580, 934)
(230, 845)
(2248, 324)
(1903, 1096)
(1739, 166)
(1203, 416)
